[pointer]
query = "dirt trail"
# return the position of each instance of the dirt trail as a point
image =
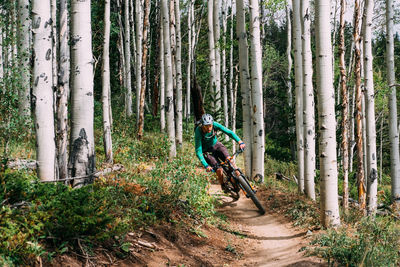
(272, 241)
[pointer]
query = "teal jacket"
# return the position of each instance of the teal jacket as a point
(204, 141)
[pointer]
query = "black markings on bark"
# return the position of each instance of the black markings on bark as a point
(36, 81)
(81, 160)
(373, 156)
(48, 54)
(373, 175)
(260, 133)
(36, 23)
(75, 39)
(167, 104)
(89, 94)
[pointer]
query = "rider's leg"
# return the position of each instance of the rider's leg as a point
(220, 175)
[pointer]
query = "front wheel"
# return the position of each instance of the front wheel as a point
(250, 193)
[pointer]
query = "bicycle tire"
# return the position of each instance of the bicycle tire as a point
(250, 193)
(234, 192)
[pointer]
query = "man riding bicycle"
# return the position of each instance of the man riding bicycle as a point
(209, 150)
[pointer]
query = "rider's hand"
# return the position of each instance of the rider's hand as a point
(242, 145)
(209, 169)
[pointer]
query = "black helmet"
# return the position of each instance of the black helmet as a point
(207, 119)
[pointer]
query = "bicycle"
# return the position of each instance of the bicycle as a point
(234, 183)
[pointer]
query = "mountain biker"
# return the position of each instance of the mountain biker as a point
(209, 149)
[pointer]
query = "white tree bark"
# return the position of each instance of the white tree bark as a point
(169, 105)
(211, 45)
(178, 56)
(289, 73)
(127, 53)
(139, 49)
(24, 61)
(162, 79)
(42, 90)
(393, 131)
(244, 84)
(55, 47)
(298, 71)
(257, 93)
(327, 122)
(1, 50)
(106, 87)
(372, 175)
(231, 93)
(63, 92)
(82, 158)
(308, 102)
(223, 66)
(217, 36)
(190, 53)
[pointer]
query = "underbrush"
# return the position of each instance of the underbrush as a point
(45, 219)
(368, 243)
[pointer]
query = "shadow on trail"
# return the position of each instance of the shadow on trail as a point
(275, 237)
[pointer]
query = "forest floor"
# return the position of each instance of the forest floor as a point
(248, 239)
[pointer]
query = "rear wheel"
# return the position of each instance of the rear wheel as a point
(250, 193)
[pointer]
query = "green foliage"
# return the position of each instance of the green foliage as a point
(273, 166)
(303, 214)
(372, 243)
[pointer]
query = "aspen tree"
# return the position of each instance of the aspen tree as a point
(127, 53)
(139, 49)
(244, 84)
(289, 73)
(24, 61)
(162, 78)
(372, 167)
(308, 102)
(106, 87)
(82, 157)
(178, 57)
(298, 71)
(393, 130)
(53, 23)
(256, 94)
(169, 100)
(358, 100)
(211, 45)
(345, 107)
(190, 22)
(223, 66)
(217, 50)
(63, 91)
(42, 94)
(144, 64)
(327, 123)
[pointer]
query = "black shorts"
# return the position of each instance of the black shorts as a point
(215, 153)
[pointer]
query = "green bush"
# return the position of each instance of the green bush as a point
(371, 243)
(286, 168)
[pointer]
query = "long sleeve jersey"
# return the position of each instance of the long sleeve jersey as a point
(204, 141)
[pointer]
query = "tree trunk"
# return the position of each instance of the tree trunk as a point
(211, 45)
(63, 92)
(308, 103)
(55, 47)
(162, 78)
(144, 64)
(327, 122)
(257, 94)
(345, 106)
(393, 131)
(24, 52)
(169, 105)
(359, 137)
(82, 157)
(298, 71)
(178, 56)
(42, 91)
(217, 50)
(106, 85)
(223, 66)
(189, 63)
(232, 92)
(372, 175)
(289, 75)
(244, 84)
(127, 53)
(139, 49)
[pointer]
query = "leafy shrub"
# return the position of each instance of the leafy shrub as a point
(371, 243)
